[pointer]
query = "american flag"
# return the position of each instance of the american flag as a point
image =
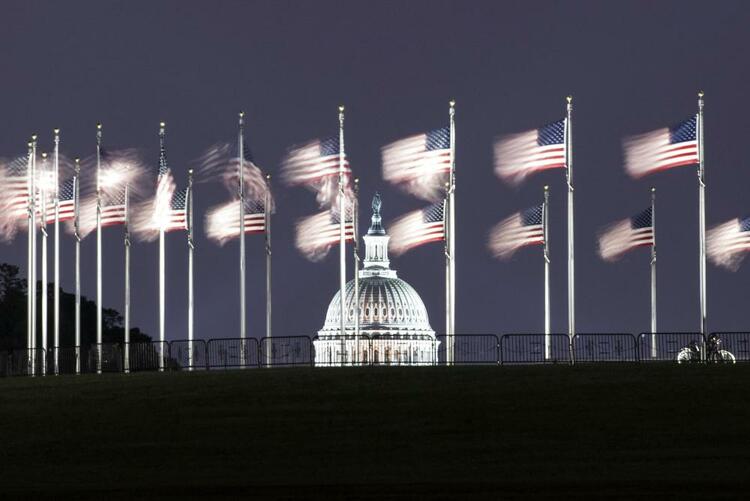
(418, 228)
(317, 234)
(165, 188)
(66, 198)
(310, 163)
(177, 216)
(420, 164)
(726, 244)
(113, 207)
(519, 230)
(16, 189)
(626, 235)
(662, 149)
(517, 156)
(222, 225)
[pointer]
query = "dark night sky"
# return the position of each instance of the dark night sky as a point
(631, 66)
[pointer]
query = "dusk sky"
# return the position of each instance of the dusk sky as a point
(631, 67)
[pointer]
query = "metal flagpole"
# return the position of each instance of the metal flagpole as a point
(451, 258)
(126, 358)
(571, 244)
(162, 263)
(241, 227)
(56, 301)
(355, 220)
(98, 249)
(31, 272)
(191, 248)
(267, 215)
(653, 273)
(45, 286)
(342, 237)
(545, 222)
(702, 217)
(76, 225)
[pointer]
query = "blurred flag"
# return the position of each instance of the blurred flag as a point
(113, 207)
(726, 244)
(66, 198)
(661, 149)
(177, 215)
(221, 161)
(222, 221)
(625, 235)
(317, 234)
(165, 188)
(519, 230)
(310, 163)
(419, 164)
(517, 156)
(418, 228)
(16, 189)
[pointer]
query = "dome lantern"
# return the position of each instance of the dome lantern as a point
(376, 262)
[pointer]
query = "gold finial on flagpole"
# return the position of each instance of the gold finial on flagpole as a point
(44, 155)
(569, 99)
(57, 131)
(700, 94)
(33, 137)
(341, 108)
(99, 126)
(653, 190)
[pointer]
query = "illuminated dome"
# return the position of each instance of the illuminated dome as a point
(394, 327)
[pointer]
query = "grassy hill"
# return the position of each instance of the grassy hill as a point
(541, 432)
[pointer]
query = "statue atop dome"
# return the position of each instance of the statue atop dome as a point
(376, 226)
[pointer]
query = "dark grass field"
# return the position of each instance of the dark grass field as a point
(617, 431)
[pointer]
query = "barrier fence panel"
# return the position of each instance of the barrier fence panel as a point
(736, 343)
(605, 348)
(147, 356)
(5, 363)
(665, 346)
(187, 354)
(232, 352)
(419, 350)
(470, 349)
(285, 351)
(27, 362)
(105, 357)
(65, 358)
(531, 349)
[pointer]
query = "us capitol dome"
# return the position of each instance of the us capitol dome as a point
(394, 328)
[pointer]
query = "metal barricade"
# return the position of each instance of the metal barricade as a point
(228, 353)
(105, 357)
(146, 356)
(535, 349)
(27, 362)
(286, 351)
(63, 360)
(665, 346)
(186, 354)
(605, 348)
(736, 343)
(470, 349)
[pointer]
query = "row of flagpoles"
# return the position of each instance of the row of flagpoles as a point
(423, 165)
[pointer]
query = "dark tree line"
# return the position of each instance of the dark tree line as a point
(13, 290)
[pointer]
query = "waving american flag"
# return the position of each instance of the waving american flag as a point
(662, 149)
(519, 230)
(418, 228)
(317, 234)
(520, 155)
(626, 235)
(727, 244)
(420, 164)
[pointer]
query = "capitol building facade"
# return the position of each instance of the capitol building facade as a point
(394, 328)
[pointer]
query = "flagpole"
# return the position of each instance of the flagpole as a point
(702, 216)
(126, 358)
(355, 220)
(342, 237)
(191, 248)
(545, 221)
(76, 225)
(267, 215)
(45, 291)
(451, 257)
(98, 248)
(162, 263)
(56, 302)
(31, 273)
(241, 227)
(653, 273)
(571, 244)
